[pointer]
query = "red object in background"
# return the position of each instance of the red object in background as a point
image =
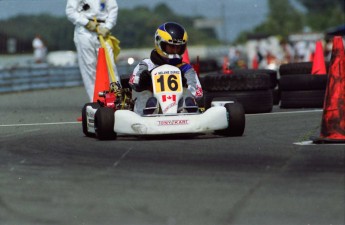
(196, 66)
(102, 78)
(185, 57)
(333, 119)
(226, 64)
(319, 65)
(255, 63)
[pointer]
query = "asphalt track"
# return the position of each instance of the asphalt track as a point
(51, 174)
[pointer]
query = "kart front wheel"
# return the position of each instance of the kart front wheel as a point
(94, 105)
(236, 120)
(104, 123)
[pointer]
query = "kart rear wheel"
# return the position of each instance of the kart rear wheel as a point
(236, 120)
(84, 118)
(104, 123)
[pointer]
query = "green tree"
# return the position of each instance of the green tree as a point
(322, 5)
(135, 29)
(56, 32)
(323, 14)
(282, 19)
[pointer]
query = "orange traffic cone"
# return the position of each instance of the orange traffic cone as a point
(333, 119)
(185, 57)
(319, 65)
(102, 78)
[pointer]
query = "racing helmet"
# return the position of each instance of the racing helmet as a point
(171, 41)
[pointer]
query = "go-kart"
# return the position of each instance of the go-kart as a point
(169, 116)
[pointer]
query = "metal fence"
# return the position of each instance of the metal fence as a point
(44, 77)
(33, 78)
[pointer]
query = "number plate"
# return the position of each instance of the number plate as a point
(169, 81)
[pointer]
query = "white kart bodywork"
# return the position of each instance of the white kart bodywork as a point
(168, 90)
(128, 122)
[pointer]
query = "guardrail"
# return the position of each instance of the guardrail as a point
(44, 77)
(33, 78)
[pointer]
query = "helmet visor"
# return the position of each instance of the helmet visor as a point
(173, 48)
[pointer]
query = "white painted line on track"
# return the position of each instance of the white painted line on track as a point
(304, 143)
(311, 143)
(122, 157)
(37, 124)
(291, 112)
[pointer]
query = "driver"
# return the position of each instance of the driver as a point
(170, 44)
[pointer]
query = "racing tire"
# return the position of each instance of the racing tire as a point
(236, 82)
(302, 99)
(272, 74)
(298, 82)
(84, 118)
(298, 68)
(236, 120)
(256, 101)
(295, 68)
(104, 124)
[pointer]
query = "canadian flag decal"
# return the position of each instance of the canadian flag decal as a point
(169, 97)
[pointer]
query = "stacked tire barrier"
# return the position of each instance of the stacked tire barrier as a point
(33, 78)
(254, 89)
(299, 88)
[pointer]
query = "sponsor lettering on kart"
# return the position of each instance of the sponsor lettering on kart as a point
(172, 122)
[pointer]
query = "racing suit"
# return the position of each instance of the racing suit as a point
(80, 12)
(192, 86)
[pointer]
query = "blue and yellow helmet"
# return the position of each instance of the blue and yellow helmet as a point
(171, 40)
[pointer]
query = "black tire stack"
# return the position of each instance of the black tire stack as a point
(254, 89)
(299, 88)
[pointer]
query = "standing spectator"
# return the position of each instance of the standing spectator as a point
(328, 49)
(82, 13)
(301, 50)
(232, 54)
(288, 53)
(40, 50)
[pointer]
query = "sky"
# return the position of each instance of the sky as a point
(237, 15)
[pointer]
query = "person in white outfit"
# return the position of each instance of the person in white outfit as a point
(40, 49)
(82, 13)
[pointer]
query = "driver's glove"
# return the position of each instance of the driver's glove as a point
(145, 80)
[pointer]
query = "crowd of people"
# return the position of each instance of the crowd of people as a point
(271, 52)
